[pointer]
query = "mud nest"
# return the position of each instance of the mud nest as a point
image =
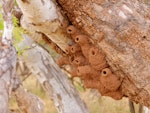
(88, 62)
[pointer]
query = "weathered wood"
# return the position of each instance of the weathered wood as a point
(131, 106)
(43, 16)
(120, 28)
(7, 57)
(28, 102)
(53, 80)
(140, 108)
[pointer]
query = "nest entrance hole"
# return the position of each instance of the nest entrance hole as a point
(93, 52)
(104, 72)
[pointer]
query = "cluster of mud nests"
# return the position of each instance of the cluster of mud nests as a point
(88, 62)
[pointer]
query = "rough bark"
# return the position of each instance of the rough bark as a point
(64, 95)
(28, 102)
(132, 108)
(53, 80)
(120, 28)
(7, 57)
(140, 108)
(43, 16)
(131, 105)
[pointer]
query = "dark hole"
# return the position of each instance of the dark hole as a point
(77, 39)
(69, 30)
(93, 52)
(77, 61)
(104, 72)
(144, 37)
(72, 49)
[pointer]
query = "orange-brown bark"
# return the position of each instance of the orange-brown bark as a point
(121, 29)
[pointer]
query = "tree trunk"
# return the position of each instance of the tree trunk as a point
(120, 28)
(43, 16)
(7, 57)
(53, 80)
(27, 102)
